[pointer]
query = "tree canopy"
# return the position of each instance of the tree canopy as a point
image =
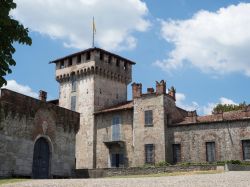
(229, 107)
(10, 31)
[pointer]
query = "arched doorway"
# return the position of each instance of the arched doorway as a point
(41, 158)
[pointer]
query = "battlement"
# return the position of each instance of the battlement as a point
(160, 89)
(94, 61)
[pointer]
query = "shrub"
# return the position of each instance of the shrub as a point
(162, 164)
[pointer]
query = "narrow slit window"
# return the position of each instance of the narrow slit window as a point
(73, 103)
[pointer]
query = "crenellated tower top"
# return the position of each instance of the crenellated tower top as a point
(94, 61)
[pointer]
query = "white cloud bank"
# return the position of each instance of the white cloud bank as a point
(71, 21)
(23, 89)
(214, 42)
(206, 110)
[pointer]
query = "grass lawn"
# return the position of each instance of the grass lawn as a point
(170, 174)
(6, 181)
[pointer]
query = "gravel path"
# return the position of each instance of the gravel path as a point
(228, 179)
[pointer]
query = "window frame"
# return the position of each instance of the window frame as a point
(243, 149)
(73, 83)
(73, 104)
(116, 125)
(178, 158)
(148, 120)
(214, 151)
(151, 149)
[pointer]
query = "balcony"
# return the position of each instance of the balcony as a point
(113, 140)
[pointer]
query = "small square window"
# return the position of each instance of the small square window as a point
(148, 117)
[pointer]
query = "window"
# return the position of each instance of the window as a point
(73, 103)
(88, 56)
(148, 118)
(116, 136)
(79, 59)
(117, 160)
(61, 64)
(246, 149)
(101, 56)
(149, 154)
(70, 62)
(109, 59)
(125, 66)
(117, 62)
(210, 151)
(73, 82)
(176, 153)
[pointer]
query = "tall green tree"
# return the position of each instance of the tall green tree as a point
(10, 31)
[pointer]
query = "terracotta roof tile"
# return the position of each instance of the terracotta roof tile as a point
(226, 116)
(122, 106)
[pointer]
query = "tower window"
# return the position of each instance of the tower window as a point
(88, 56)
(73, 103)
(117, 62)
(149, 153)
(109, 59)
(61, 64)
(73, 82)
(79, 59)
(148, 116)
(125, 67)
(70, 62)
(101, 56)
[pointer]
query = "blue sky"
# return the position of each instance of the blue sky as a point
(199, 47)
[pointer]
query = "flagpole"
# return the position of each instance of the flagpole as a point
(93, 30)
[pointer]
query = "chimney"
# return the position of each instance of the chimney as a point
(150, 90)
(160, 87)
(171, 92)
(136, 90)
(42, 95)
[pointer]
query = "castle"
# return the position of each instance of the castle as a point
(93, 125)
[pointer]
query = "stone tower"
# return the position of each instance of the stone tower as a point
(91, 80)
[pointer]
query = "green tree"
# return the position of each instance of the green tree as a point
(229, 107)
(10, 31)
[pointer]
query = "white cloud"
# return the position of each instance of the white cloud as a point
(210, 106)
(23, 89)
(180, 102)
(203, 110)
(71, 21)
(214, 42)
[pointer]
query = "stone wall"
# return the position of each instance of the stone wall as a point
(109, 172)
(148, 135)
(227, 135)
(23, 120)
(104, 133)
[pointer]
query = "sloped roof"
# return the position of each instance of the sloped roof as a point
(128, 105)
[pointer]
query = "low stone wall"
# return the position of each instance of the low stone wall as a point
(109, 172)
(236, 167)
